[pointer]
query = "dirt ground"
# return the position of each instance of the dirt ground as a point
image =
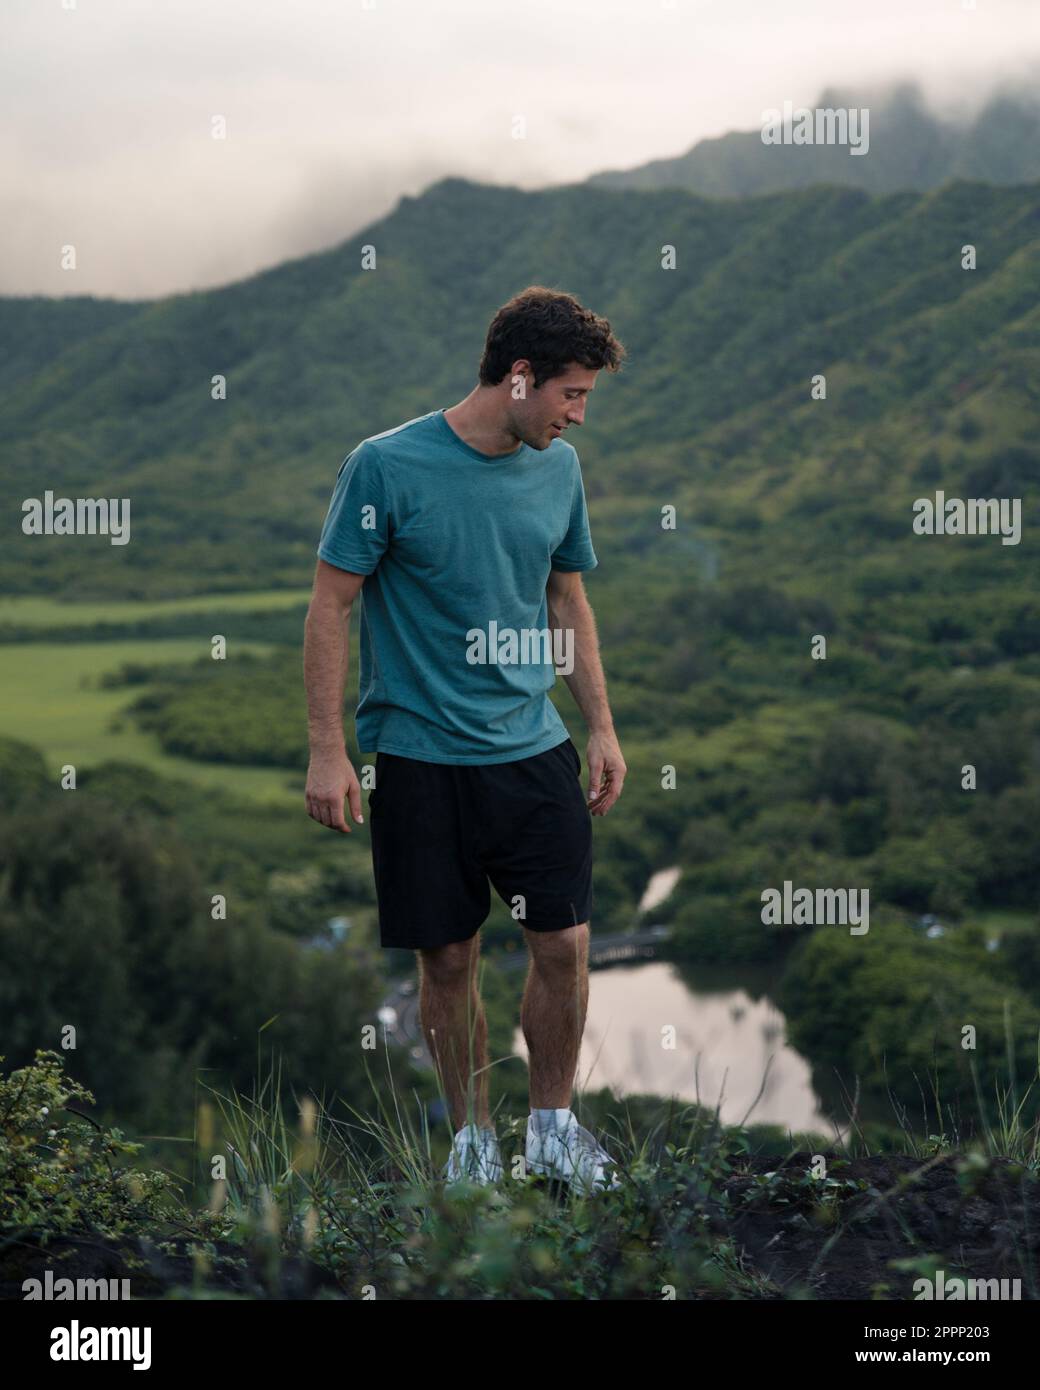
(988, 1228)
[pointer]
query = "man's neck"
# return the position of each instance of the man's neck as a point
(478, 423)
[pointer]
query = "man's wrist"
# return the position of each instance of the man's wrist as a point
(328, 745)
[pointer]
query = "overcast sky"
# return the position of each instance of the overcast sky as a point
(334, 108)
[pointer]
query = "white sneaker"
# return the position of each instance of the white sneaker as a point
(474, 1157)
(569, 1153)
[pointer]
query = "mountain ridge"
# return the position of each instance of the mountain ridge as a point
(318, 354)
(909, 147)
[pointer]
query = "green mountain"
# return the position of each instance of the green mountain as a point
(909, 148)
(712, 412)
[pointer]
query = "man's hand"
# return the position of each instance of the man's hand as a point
(606, 771)
(330, 780)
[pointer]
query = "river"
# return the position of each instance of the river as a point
(710, 1034)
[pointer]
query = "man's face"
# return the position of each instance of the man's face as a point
(552, 407)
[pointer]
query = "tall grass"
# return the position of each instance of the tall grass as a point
(364, 1196)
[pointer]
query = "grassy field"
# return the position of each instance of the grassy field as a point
(39, 612)
(49, 696)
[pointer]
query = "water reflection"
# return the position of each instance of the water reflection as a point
(724, 1039)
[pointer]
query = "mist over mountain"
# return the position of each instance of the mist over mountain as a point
(910, 147)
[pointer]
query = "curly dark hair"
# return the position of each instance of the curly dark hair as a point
(551, 329)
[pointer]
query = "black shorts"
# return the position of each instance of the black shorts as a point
(441, 830)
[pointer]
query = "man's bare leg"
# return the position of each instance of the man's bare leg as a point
(552, 1014)
(452, 1016)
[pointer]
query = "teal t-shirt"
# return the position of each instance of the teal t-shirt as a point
(456, 654)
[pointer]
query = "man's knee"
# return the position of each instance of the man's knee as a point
(451, 964)
(561, 953)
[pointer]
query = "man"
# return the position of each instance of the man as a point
(468, 531)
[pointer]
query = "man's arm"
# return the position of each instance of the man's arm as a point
(569, 607)
(330, 776)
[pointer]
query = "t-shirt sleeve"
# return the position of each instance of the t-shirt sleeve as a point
(358, 524)
(575, 551)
